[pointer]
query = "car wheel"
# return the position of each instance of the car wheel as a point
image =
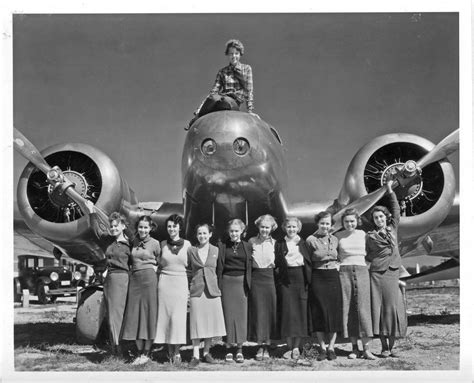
(41, 293)
(16, 287)
(53, 298)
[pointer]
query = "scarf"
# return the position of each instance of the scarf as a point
(175, 246)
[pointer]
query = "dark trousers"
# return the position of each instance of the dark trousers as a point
(217, 102)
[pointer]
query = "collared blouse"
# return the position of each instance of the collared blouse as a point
(145, 253)
(117, 255)
(323, 249)
(294, 258)
(263, 252)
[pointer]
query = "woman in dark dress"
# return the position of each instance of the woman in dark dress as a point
(326, 294)
(388, 307)
(142, 301)
(234, 266)
(293, 267)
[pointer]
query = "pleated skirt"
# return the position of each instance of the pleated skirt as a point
(388, 304)
(115, 294)
(262, 319)
(206, 318)
(356, 311)
(141, 310)
(234, 305)
(294, 305)
(326, 301)
(172, 309)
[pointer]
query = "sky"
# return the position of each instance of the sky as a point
(329, 83)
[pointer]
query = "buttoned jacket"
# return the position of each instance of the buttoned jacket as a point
(281, 266)
(203, 275)
(382, 246)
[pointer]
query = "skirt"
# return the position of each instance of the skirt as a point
(356, 312)
(294, 305)
(326, 301)
(141, 310)
(115, 294)
(234, 305)
(206, 318)
(262, 320)
(172, 309)
(389, 316)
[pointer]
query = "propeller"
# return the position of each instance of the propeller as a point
(445, 147)
(56, 178)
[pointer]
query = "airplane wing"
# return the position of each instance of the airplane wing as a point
(444, 271)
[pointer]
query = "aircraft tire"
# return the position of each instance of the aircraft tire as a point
(90, 314)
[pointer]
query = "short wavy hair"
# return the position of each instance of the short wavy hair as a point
(239, 222)
(177, 220)
(234, 43)
(382, 209)
(148, 219)
(323, 214)
(204, 224)
(269, 218)
(116, 216)
(349, 212)
(287, 220)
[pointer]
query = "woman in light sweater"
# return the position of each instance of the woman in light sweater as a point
(355, 284)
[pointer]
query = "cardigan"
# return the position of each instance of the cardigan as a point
(281, 266)
(203, 275)
(382, 246)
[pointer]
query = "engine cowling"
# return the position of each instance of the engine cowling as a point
(427, 199)
(57, 218)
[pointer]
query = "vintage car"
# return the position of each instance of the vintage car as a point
(43, 278)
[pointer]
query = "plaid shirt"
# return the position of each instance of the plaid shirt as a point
(237, 80)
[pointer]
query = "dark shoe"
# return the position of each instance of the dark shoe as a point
(322, 355)
(331, 355)
(194, 362)
(209, 359)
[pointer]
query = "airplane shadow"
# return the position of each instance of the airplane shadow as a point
(420, 319)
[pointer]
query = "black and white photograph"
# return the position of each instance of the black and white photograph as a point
(213, 193)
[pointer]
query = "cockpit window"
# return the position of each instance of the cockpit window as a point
(277, 136)
(208, 147)
(241, 146)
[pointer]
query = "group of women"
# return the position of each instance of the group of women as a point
(258, 290)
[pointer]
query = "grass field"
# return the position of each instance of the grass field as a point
(44, 340)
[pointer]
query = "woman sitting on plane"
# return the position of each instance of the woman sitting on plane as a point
(388, 307)
(206, 318)
(141, 310)
(233, 85)
(173, 289)
(293, 266)
(326, 295)
(234, 267)
(262, 317)
(355, 283)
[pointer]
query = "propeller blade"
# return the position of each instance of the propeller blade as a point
(447, 146)
(361, 205)
(29, 151)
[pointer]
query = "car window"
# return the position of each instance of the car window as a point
(31, 262)
(40, 262)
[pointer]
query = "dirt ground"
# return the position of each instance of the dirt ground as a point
(44, 340)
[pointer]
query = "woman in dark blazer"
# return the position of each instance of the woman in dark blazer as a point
(234, 267)
(206, 316)
(388, 307)
(293, 270)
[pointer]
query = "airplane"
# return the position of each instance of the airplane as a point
(232, 167)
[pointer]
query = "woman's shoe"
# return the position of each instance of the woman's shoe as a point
(259, 356)
(239, 357)
(331, 355)
(177, 359)
(368, 355)
(209, 359)
(322, 355)
(385, 354)
(266, 355)
(352, 355)
(194, 362)
(295, 354)
(229, 358)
